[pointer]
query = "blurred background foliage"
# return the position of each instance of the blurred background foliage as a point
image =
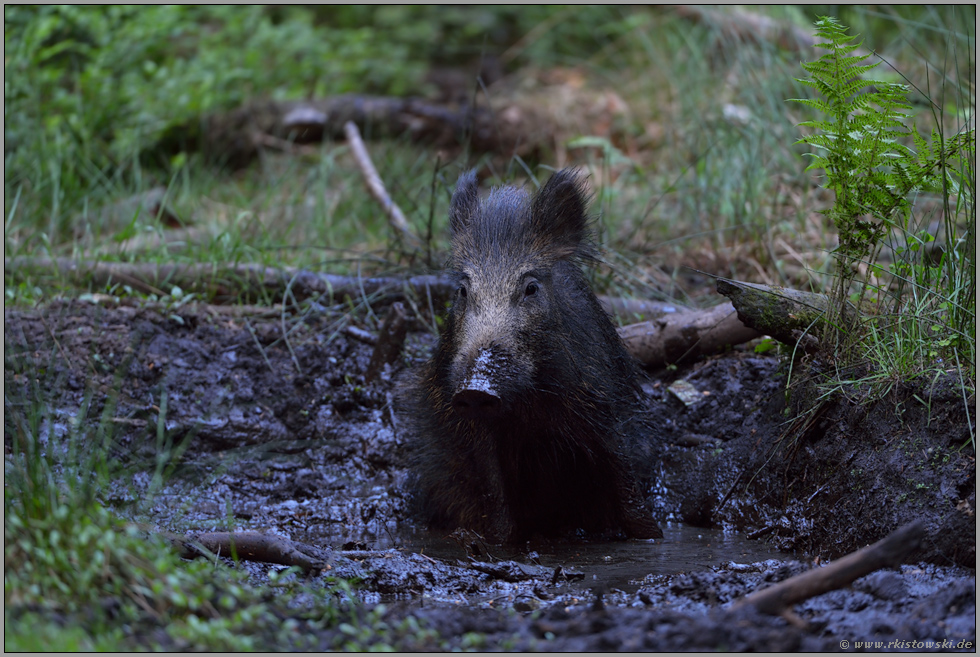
(88, 89)
(684, 128)
(683, 124)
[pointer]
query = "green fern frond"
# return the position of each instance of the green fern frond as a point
(873, 161)
(861, 136)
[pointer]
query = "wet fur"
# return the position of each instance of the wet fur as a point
(552, 461)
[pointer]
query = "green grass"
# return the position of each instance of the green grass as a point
(711, 177)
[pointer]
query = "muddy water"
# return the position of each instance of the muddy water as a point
(683, 549)
(622, 564)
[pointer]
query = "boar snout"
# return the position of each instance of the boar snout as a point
(474, 404)
(478, 397)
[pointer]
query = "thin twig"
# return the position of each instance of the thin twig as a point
(258, 344)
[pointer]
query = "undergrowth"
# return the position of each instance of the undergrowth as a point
(89, 90)
(918, 307)
(874, 175)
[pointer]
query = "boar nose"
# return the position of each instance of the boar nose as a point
(477, 396)
(475, 404)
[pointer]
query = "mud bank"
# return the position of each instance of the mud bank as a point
(823, 478)
(276, 432)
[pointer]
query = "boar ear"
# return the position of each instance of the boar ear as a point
(463, 206)
(558, 213)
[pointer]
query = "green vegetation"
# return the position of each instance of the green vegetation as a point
(690, 143)
(90, 90)
(78, 577)
(923, 312)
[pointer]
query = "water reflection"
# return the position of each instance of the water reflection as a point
(618, 564)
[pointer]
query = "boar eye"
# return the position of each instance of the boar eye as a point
(462, 291)
(531, 289)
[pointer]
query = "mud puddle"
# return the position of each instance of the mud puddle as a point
(272, 430)
(621, 565)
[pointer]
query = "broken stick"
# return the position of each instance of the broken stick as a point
(376, 187)
(253, 546)
(391, 337)
(677, 337)
(791, 316)
(890, 551)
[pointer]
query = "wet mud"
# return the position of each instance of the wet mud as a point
(266, 424)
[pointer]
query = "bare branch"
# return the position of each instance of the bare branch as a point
(253, 546)
(890, 551)
(229, 281)
(376, 187)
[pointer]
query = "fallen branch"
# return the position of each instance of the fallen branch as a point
(670, 338)
(790, 316)
(253, 546)
(376, 187)
(638, 310)
(509, 571)
(236, 311)
(678, 337)
(229, 282)
(236, 136)
(890, 551)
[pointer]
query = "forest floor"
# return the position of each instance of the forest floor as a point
(278, 433)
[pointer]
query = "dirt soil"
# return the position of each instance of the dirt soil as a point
(275, 431)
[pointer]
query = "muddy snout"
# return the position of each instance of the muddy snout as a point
(477, 396)
(475, 404)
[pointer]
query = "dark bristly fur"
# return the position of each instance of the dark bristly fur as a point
(518, 422)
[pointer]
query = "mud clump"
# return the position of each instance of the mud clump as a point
(520, 418)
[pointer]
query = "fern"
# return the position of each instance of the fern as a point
(862, 143)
